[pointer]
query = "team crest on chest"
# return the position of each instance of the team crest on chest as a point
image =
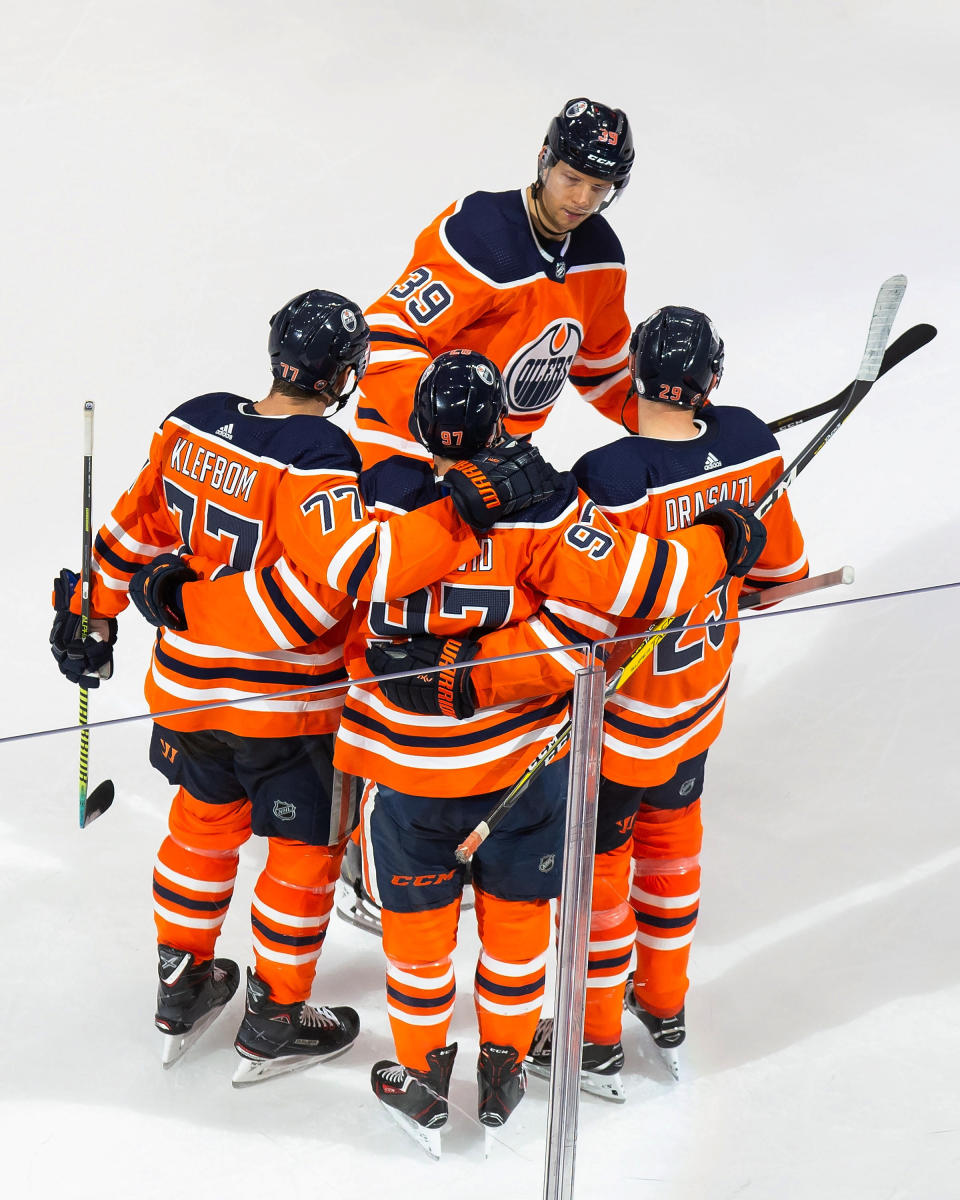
(537, 372)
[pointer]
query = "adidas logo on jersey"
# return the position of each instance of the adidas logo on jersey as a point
(712, 462)
(226, 431)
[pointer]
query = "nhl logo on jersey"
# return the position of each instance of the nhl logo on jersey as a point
(283, 810)
(348, 319)
(577, 109)
(545, 866)
(537, 372)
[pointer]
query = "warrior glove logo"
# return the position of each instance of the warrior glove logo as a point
(537, 372)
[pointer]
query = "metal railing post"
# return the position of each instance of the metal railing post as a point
(581, 828)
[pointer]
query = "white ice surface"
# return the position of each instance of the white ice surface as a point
(174, 173)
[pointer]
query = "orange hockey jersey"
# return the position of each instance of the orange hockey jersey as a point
(480, 279)
(562, 547)
(234, 491)
(672, 708)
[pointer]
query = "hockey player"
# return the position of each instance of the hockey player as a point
(233, 485)
(435, 773)
(685, 455)
(533, 278)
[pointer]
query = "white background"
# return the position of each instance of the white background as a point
(176, 172)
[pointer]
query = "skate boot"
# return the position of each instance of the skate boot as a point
(276, 1038)
(354, 904)
(600, 1066)
(190, 997)
(501, 1082)
(667, 1032)
(417, 1100)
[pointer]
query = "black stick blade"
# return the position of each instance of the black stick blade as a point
(98, 801)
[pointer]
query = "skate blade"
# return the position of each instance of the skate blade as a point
(427, 1139)
(255, 1070)
(176, 1045)
(607, 1087)
(671, 1060)
(353, 910)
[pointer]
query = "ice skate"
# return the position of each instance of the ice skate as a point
(190, 997)
(600, 1066)
(274, 1039)
(352, 902)
(417, 1100)
(501, 1082)
(667, 1032)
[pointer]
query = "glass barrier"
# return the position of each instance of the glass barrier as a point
(824, 957)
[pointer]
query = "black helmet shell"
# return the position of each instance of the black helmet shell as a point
(459, 403)
(592, 138)
(676, 357)
(315, 338)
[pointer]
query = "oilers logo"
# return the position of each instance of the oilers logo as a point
(537, 372)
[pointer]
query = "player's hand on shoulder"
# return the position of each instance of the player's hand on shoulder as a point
(156, 587)
(446, 693)
(83, 660)
(501, 481)
(744, 535)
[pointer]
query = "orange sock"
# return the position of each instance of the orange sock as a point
(665, 897)
(290, 913)
(613, 929)
(421, 986)
(511, 969)
(195, 871)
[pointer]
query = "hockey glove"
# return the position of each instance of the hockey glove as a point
(441, 694)
(744, 535)
(155, 590)
(501, 481)
(84, 661)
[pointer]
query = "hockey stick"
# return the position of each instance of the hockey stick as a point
(884, 311)
(99, 800)
(785, 591)
(897, 351)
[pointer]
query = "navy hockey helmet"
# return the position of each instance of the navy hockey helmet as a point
(676, 356)
(459, 404)
(319, 342)
(592, 138)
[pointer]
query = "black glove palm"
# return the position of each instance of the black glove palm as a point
(501, 481)
(744, 535)
(446, 693)
(155, 590)
(82, 660)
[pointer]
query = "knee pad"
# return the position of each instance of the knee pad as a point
(512, 930)
(666, 840)
(208, 828)
(313, 868)
(420, 938)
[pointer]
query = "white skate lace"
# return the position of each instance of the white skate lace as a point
(318, 1016)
